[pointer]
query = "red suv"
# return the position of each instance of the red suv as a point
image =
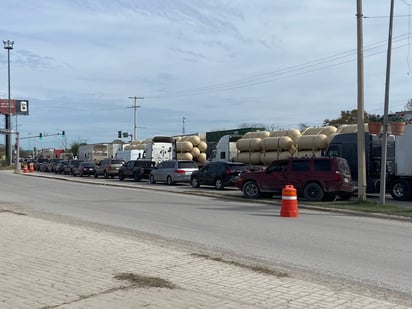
(315, 179)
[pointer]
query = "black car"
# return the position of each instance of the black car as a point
(136, 169)
(84, 169)
(218, 174)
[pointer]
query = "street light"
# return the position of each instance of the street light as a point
(9, 46)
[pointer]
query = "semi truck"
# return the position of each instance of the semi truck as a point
(398, 161)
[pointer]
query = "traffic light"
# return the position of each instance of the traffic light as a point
(40, 136)
(119, 134)
(125, 134)
(63, 133)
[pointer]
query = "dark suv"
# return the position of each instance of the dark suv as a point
(136, 169)
(315, 179)
(108, 167)
(218, 174)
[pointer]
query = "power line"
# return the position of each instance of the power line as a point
(288, 72)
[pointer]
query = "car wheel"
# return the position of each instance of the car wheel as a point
(219, 184)
(401, 190)
(195, 183)
(169, 181)
(251, 190)
(105, 175)
(96, 175)
(152, 179)
(81, 174)
(313, 192)
(121, 176)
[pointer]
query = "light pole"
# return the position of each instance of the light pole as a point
(9, 46)
(135, 106)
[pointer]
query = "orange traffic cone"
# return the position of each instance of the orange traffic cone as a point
(289, 202)
(25, 170)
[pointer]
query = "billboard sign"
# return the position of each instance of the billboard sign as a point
(21, 107)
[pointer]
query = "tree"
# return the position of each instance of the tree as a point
(408, 106)
(346, 117)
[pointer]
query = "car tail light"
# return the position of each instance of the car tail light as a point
(110, 167)
(179, 172)
(228, 172)
(338, 176)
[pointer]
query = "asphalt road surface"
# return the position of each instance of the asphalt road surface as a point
(368, 250)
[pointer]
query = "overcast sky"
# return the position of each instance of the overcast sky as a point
(220, 64)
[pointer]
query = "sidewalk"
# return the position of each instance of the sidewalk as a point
(45, 264)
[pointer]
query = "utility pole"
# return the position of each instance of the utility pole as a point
(385, 112)
(135, 107)
(361, 120)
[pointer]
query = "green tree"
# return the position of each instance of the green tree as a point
(346, 117)
(74, 148)
(408, 106)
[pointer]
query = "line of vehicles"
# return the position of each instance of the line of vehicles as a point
(320, 162)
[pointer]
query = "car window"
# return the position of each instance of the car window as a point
(299, 166)
(238, 167)
(117, 161)
(278, 167)
(322, 165)
(187, 164)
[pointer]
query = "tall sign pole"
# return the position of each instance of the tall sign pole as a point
(8, 45)
(361, 120)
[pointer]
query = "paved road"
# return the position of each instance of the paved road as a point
(363, 249)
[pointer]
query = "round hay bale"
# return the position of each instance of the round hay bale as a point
(258, 134)
(249, 157)
(312, 142)
(328, 130)
(277, 143)
(249, 144)
(269, 157)
(184, 156)
(292, 133)
(195, 152)
(184, 146)
(202, 146)
(202, 157)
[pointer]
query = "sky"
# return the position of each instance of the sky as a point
(198, 65)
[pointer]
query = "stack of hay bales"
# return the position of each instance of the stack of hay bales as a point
(140, 145)
(250, 147)
(261, 148)
(191, 148)
(279, 145)
(314, 141)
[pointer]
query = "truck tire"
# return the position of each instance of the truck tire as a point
(251, 190)
(313, 192)
(401, 190)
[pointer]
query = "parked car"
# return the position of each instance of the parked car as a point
(84, 169)
(54, 163)
(59, 169)
(109, 167)
(173, 171)
(315, 179)
(68, 169)
(136, 169)
(218, 174)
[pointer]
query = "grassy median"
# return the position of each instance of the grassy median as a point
(367, 207)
